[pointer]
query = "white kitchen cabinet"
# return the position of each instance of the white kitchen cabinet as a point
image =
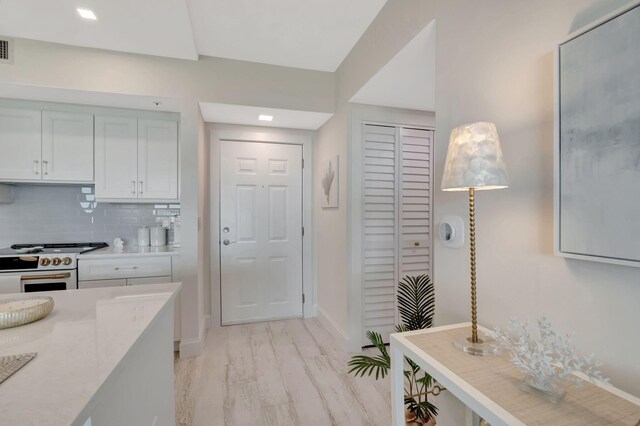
(133, 270)
(67, 146)
(102, 283)
(20, 144)
(116, 157)
(149, 280)
(136, 159)
(157, 159)
(125, 267)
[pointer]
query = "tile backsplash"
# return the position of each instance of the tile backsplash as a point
(54, 214)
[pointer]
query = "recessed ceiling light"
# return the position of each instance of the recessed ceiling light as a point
(264, 117)
(87, 14)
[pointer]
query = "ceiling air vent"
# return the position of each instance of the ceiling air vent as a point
(6, 50)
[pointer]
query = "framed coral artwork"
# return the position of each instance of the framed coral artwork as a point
(329, 172)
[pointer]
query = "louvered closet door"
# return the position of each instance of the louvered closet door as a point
(380, 245)
(415, 203)
(396, 218)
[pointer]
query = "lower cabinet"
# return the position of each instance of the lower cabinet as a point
(137, 270)
(150, 280)
(101, 283)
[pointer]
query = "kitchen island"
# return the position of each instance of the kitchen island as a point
(105, 357)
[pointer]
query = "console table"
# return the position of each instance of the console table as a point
(489, 386)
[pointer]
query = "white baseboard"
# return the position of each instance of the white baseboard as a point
(332, 327)
(311, 311)
(194, 347)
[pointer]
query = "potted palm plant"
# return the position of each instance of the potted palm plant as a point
(416, 304)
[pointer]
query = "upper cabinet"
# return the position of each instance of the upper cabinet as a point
(157, 159)
(67, 146)
(45, 146)
(134, 154)
(20, 144)
(136, 159)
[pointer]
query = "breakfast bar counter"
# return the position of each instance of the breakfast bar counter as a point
(104, 357)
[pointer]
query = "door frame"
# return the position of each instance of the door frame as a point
(360, 115)
(239, 133)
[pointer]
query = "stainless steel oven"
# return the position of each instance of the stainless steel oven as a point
(48, 280)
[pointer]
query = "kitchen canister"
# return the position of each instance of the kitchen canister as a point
(143, 237)
(158, 236)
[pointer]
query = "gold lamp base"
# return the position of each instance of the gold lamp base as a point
(475, 344)
(485, 346)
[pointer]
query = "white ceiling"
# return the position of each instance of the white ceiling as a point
(248, 115)
(152, 27)
(311, 34)
(408, 80)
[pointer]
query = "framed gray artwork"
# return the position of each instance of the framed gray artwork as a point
(597, 147)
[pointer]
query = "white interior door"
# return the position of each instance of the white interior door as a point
(379, 230)
(396, 223)
(260, 231)
(414, 204)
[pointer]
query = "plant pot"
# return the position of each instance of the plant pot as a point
(546, 389)
(411, 420)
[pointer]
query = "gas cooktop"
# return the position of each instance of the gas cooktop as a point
(40, 257)
(48, 248)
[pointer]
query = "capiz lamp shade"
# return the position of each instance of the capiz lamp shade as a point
(474, 161)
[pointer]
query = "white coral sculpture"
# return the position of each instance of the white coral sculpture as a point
(550, 357)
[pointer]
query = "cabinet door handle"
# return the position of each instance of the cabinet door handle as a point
(45, 165)
(141, 186)
(133, 186)
(36, 167)
(117, 268)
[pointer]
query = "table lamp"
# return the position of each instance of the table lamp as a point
(474, 162)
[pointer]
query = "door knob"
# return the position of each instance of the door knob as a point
(226, 242)
(225, 229)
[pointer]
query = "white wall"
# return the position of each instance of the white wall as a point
(397, 23)
(331, 233)
(204, 262)
(495, 62)
(209, 79)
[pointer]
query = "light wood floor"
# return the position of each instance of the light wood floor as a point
(278, 373)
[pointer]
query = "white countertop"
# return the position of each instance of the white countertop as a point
(129, 251)
(80, 345)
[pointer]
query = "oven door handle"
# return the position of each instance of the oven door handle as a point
(45, 277)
